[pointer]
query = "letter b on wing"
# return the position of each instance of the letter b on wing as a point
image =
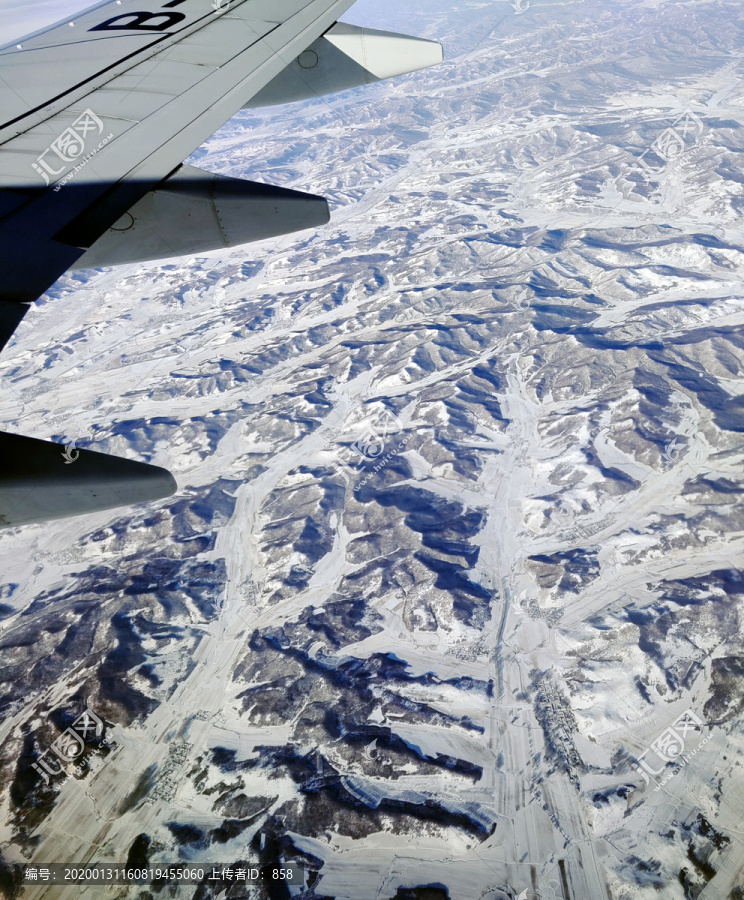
(135, 21)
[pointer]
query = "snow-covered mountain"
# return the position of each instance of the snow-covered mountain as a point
(448, 604)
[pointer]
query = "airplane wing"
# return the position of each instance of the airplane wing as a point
(97, 114)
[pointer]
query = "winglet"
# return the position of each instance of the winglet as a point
(348, 56)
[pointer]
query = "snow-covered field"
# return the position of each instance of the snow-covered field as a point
(434, 671)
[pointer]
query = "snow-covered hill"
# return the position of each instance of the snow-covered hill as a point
(459, 531)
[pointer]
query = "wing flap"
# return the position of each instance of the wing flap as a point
(194, 211)
(40, 480)
(11, 315)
